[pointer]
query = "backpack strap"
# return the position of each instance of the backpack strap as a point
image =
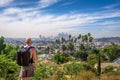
(29, 48)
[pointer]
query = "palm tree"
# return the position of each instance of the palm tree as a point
(63, 40)
(87, 41)
(90, 39)
(86, 38)
(79, 36)
(81, 47)
(89, 34)
(75, 40)
(71, 47)
(69, 37)
(57, 41)
(71, 40)
(64, 48)
(83, 38)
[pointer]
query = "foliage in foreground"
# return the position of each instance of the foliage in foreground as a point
(65, 69)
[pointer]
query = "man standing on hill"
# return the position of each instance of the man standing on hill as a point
(28, 71)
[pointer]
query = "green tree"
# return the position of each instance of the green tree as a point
(2, 45)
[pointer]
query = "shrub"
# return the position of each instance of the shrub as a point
(82, 55)
(108, 69)
(42, 72)
(73, 69)
(60, 58)
(92, 60)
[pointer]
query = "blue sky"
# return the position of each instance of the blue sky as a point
(31, 18)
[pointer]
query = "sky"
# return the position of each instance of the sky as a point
(31, 18)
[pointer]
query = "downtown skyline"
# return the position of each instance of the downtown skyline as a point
(31, 18)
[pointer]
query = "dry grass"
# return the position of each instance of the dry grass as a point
(86, 76)
(46, 62)
(112, 77)
(2, 79)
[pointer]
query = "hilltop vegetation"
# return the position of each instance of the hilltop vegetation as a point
(74, 60)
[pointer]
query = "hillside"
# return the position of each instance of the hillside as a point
(108, 39)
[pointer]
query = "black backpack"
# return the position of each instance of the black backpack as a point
(23, 56)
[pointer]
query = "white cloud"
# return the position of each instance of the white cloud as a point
(67, 3)
(5, 2)
(11, 11)
(30, 22)
(112, 6)
(47, 3)
(110, 22)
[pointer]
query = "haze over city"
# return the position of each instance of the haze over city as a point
(31, 18)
